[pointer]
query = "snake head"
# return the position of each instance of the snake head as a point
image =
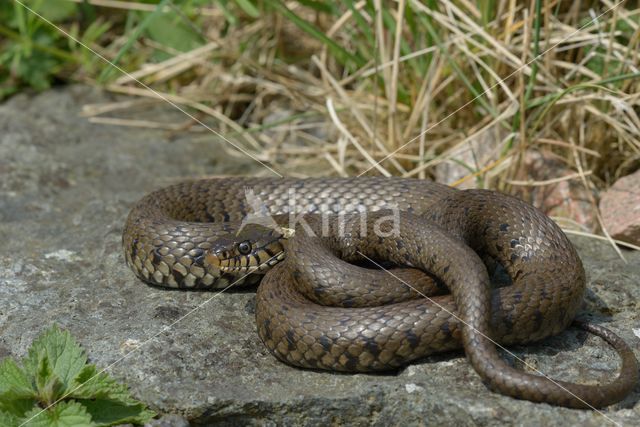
(254, 248)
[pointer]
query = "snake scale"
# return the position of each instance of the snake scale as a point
(356, 318)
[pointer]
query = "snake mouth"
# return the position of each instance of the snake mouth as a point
(212, 261)
(259, 260)
(254, 249)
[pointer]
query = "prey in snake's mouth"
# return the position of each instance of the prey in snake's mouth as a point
(254, 248)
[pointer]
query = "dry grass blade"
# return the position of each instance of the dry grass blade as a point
(436, 75)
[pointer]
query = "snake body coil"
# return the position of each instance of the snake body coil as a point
(182, 236)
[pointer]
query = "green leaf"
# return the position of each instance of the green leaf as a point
(54, 369)
(92, 384)
(13, 378)
(109, 412)
(111, 403)
(64, 414)
(319, 6)
(133, 35)
(48, 383)
(9, 420)
(182, 37)
(64, 355)
(17, 394)
(248, 8)
(15, 406)
(53, 10)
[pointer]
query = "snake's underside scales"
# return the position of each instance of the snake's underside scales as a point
(172, 236)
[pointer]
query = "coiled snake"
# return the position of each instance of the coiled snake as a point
(191, 235)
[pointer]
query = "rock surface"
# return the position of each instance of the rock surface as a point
(66, 186)
(620, 207)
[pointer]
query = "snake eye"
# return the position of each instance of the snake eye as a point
(244, 247)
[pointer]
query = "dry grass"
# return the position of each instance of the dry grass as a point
(446, 91)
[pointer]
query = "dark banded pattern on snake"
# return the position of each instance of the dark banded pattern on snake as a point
(168, 241)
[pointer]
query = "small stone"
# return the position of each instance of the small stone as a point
(620, 207)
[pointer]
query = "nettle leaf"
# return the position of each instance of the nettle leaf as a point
(109, 412)
(111, 403)
(48, 383)
(64, 414)
(65, 356)
(13, 378)
(54, 369)
(8, 419)
(15, 406)
(17, 394)
(90, 384)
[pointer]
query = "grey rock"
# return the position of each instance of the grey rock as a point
(169, 420)
(66, 186)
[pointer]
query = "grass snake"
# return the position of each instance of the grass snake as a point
(317, 311)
